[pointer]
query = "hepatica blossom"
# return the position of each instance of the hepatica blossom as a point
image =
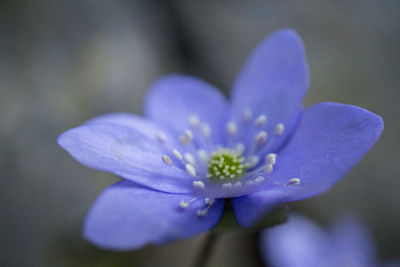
(194, 150)
(301, 242)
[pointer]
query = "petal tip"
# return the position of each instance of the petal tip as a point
(63, 139)
(289, 32)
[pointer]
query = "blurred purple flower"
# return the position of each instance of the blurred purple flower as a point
(300, 242)
(195, 149)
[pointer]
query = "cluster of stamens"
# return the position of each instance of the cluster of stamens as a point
(232, 167)
(225, 164)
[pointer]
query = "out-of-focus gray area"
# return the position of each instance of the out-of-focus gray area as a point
(63, 62)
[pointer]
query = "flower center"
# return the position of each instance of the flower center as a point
(225, 164)
(231, 168)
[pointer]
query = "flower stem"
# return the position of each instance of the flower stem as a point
(205, 250)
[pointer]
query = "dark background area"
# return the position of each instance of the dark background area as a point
(63, 62)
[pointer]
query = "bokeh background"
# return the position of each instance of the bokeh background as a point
(63, 62)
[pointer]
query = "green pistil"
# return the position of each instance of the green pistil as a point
(225, 165)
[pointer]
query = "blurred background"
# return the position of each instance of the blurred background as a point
(63, 62)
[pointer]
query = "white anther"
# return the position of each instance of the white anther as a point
(260, 121)
(249, 182)
(167, 160)
(202, 155)
(199, 185)
(259, 179)
(202, 213)
(260, 138)
(294, 181)
(239, 148)
(190, 169)
(189, 134)
(237, 184)
(226, 185)
(271, 158)
(206, 130)
(177, 154)
(183, 204)
(209, 201)
(247, 115)
(252, 161)
(193, 120)
(187, 137)
(269, 168)
(279, 129)
(189, 158)
(183, 140)
(161, 137)
(231, 128)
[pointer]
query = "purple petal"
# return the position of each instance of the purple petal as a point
(273, 82)
(174, 98)
(139, 124)
(329, 141)
(127, 216)
(297, 243)
(129, 120)
(130, 152)
(354, 243)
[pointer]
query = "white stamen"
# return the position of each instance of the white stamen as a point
(189, 134)
(202, 155)
(167, 160)
(226, 185)
(199, 185)
(189, 158)
(209, 201)
(252, 161)
(183, 140)
(193, 120)
(239, 148)
(206, 130)
(177, 154)
(294, 181)
(187, 137)
(237, 184)
(260, 121)
(260, 138)
(279, 129)
(247, 115)
(161, 137)
(183, 204)
(269, 168)
(231, 128)
(271, 158)
(202, 213)
(190, 169)
(259, 179)
(249, 182)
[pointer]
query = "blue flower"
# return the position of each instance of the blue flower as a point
(300, 242)
(195, 149)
